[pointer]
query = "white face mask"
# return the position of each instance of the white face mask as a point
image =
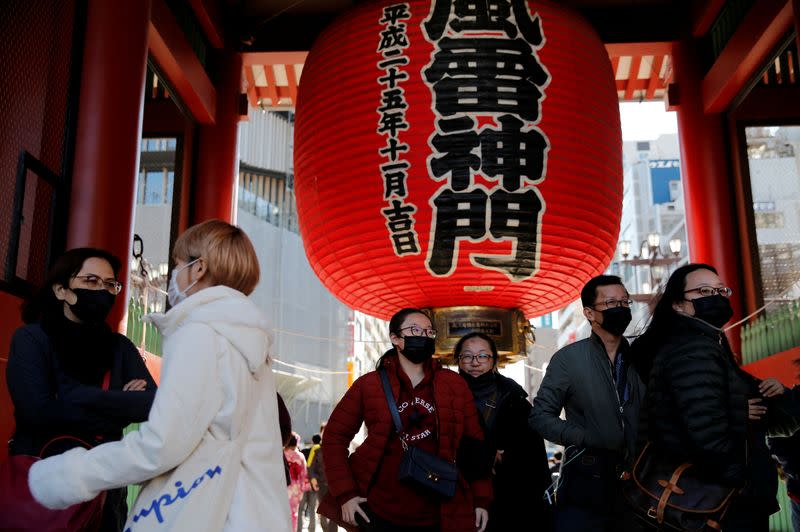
(174, 294)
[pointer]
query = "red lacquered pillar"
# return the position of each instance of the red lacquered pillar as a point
(109, 131)
(217, 162)
(710, 220)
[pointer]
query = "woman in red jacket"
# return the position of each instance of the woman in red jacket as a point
(436, 409)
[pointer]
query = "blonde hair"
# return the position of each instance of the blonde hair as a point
(227, 251)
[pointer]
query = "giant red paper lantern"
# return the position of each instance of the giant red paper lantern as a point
(448, 156)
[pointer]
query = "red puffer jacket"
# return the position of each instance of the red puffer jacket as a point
(365, 401)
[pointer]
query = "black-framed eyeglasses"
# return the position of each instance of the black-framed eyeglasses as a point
(419, 331)
(96, 283)
(469, 357)
(614, 303)
(706, 291)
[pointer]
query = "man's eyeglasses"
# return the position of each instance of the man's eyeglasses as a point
(419, 331)
(469, 357)
(614, 303)
(96, 283)
(706, 291)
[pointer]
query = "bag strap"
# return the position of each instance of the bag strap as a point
(63, 438)
(387, 390)
(107, 380)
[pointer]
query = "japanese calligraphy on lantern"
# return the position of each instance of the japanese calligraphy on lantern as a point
(487, 85)
(399, 213)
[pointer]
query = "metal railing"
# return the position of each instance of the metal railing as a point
(773, 332)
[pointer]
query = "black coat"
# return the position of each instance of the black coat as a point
(55, 374)
(53, 397)
(696, 410)
(522, 476)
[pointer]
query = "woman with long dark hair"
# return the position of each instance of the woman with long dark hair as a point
(700, 406)
(520, 473)
(59, 361)
(437, 413)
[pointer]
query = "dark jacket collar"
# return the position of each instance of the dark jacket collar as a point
(598, 342)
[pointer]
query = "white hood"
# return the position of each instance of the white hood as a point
(231, 314)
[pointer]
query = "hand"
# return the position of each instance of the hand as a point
(755, 411)
(481, 519)
(314, 484)
(351, 508)
(771, 387)
(136, 385)
(498, 459)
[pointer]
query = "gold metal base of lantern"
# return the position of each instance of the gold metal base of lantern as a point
(507, 327)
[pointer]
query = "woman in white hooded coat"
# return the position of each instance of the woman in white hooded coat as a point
(211, 452)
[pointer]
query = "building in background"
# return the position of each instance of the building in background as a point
(652, 238)
(774, 165)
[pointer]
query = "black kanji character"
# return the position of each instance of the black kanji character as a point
(392, 99)
(394, 179)
(487, 75)
(393, 37)
(456, 215)
(393, 148)
(457, 159)
(484, 15)
(392, 77)
(405, 243)
(395, 12)
(512, 153)
(392, 61)
(399, 219)
(515, 215)
(391, 122)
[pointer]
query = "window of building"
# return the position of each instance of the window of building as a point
(775, 187)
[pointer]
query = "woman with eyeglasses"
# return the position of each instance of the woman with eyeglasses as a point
(210, 455)
(701, 407)
(520, 473)
(61, 361)
(437, 414)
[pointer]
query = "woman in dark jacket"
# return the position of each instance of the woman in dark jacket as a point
(700, 406)
(437, 414)
(59, 361)
(520, 474)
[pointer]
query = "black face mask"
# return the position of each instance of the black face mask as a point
(715, 310)
(93, 306)
(418, 349)
(616, 320)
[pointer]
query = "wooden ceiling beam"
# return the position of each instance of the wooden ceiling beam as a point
(272, 88)
(655, 79)
(761, 30)
(633, 75)
(252, 96)
(703, 15)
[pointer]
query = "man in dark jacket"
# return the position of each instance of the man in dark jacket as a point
(601, 393)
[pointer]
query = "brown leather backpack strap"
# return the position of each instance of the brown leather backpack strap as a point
(669, 488)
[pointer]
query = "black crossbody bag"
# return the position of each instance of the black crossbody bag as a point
(419, 466)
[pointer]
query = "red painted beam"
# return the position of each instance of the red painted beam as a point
(274, 96)
(274, 58)
(757, 36)
(639, 48)
(178, 62)
(292, 78)
(210, 19)
(781, 366)
(252, 96)
(272, 88)
(704, 13)
(633, 75)
(655, 81)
